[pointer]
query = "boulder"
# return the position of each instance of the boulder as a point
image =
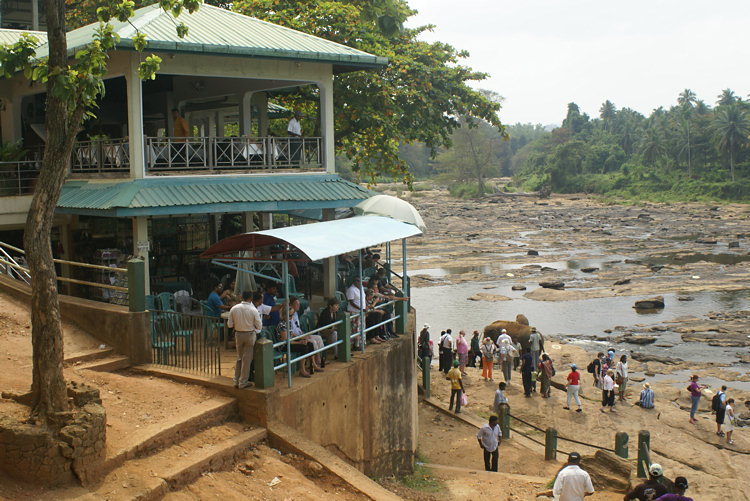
(637, 339)
(648, 357)
(590, 269)
(532, 253)
(706, 240)
(518, 288)
(623, 281)
(556, 284)
(653, 303)
(608, 471)
(734, 245)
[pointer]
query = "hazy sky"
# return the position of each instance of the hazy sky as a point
(543, 54)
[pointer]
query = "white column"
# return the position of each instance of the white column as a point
(140, 246)
(246, 114)
(261, 101)
(135, 120)
(11, 120)
(327, 124)
(266, 220)
(329, 264)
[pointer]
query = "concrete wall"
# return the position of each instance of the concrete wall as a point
(113, 325)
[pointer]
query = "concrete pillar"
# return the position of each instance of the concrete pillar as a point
(66, 240)
(247, 221)
(136, 285)
(263, 357)
(11, 120)
(329, 264)
(644, 453)
(266, 220)
(141, 248)
(621, 444)
(504, 420)
(260, 99)
(345, 335)
(135, 120)
(246, 114)
(327, 124)
(35, 15)
(426, 376)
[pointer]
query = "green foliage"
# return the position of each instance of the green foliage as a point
(422, 480)
(686, 152)
(416, 97)
(465, 190)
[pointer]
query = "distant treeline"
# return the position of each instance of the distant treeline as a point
(691, 151)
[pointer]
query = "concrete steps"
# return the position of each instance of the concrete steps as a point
(151, 477)
(89, 356)
(109, 363)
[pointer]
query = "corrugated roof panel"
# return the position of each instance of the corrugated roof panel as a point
(8, 36)
(198, 191)
(213, 30)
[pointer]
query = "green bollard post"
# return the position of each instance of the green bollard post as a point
(263, 357)
(644, 448)
(621, 444)
(550, 444)
(344, 334)
(136, 285)
(402, 311)
(426, 376)
(504, 418)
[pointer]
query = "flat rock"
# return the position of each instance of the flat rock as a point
(485, 296)
(653, 303)
(639, 339)
(518, 288)
(706, 240)
(734, 245)
(649, 357)
(558, 285)
(590, 269)
(532, 253)
(623, 281)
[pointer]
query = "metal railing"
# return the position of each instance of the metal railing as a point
(100, 156)
(176, 153)
(18, 178)
(187, 342)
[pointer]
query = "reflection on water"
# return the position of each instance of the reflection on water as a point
(447, 306)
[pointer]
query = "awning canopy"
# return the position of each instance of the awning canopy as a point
(321, 240)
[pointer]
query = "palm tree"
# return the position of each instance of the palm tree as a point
(607, 113)
(652, 142)
(726, 98)
(731, 128)
(687, 98)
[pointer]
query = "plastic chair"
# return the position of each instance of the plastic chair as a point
(158, 343)
(211, 322)
(166, 300)
(307, 321)
(179, 332)
(341, 298)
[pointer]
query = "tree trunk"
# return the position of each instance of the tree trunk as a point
(48, 390)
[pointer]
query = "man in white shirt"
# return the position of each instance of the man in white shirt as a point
(294, 130)
(503, 338)
(246, 321)
(572, 483)
(536, 344)
(446, 350)
(355, 296)
(489, 438)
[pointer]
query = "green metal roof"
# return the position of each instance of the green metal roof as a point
(217, 31)
(8, 36)
(198, 194)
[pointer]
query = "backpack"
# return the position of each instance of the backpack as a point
(716, 402)
(591, 368)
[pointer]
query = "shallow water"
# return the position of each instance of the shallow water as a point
(447, 306)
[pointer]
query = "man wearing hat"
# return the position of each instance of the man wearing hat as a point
(425, 350)
(680, 486)
(655, 486)
(537, 345)
(647, 397)
(572, 483)
(294, 130)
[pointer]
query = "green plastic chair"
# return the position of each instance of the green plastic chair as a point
(158, 343)
(166, 300)
(178, 332)
(307, 321)
(211, 323)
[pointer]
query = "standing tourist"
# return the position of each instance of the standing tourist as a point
(546, 371)
(489, 437)
(180, 128)
(680, 485)
(572, 483)
(446, 351)
(646, 400)
(500, 399)
(355, 296)
(506, 359)
(621, 376)
(719, 404)
(695, 397)
(574, 379)
(488, 358)
(598, 365)
(425, 350)
(474, 352)
(294, 131)
(527, 366)
(457, 387)
(729, 420)
(608, 391)
(245, 320)
(537, 345)
(462, 348)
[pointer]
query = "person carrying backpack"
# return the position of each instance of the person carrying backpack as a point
(719, 405)
(595, 368)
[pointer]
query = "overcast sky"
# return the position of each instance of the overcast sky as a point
(543, 54)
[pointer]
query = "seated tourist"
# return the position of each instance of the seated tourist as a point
(646, 400)
(298, 346)
(327, 317)
(296, 330)
(374, 316)
(214, 301)
(228, 296)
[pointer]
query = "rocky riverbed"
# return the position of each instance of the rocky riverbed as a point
(483, 260)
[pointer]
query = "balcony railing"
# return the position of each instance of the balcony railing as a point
(18, 178)
(100, 156)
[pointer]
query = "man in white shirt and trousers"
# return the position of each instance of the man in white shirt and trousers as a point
(246, 321)
(572, 483)
(294, 130)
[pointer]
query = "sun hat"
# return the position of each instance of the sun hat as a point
(503, 331)
(426, 326)
(646, 385)
(681, 482)
(655, 470)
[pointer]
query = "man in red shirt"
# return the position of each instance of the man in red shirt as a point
(573, 381)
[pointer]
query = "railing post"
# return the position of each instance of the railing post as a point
(136, 285)
(263, 357)
(402, 310)
(345, 335)
(550, 444)
(426, 376)
(504, 418)
(644, 446)
(621, 444)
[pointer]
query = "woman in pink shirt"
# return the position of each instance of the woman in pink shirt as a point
(462, 348)
(695, 397)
